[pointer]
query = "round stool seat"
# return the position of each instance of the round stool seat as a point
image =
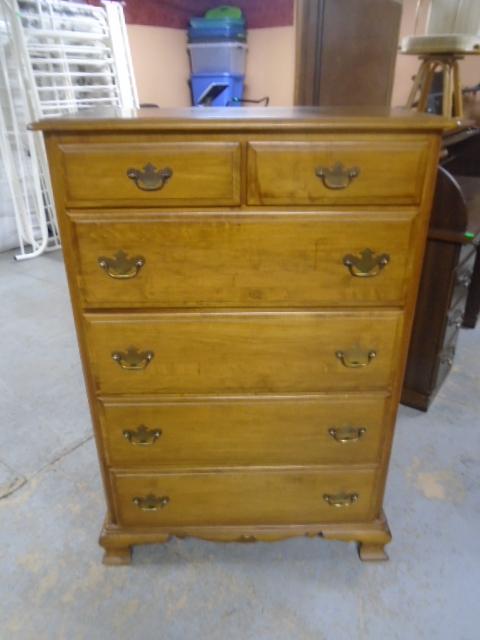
(446, 44)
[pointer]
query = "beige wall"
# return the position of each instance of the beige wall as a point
(161, 65)
(407, 65)
(271, 65)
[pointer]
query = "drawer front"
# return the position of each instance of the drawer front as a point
(152, 174)
(250, 352)
(255, 260)
(246, 431)
(337, 170)
(253, 497)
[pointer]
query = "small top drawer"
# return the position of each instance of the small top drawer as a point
(151, 174)
(331, 171)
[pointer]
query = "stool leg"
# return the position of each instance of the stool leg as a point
(457, 91)
(417, 83)
(426, 86)
(447, 89)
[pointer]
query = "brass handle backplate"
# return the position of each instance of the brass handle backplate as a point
(337, 177)
(142, 436)
(121, 267)
(150, 178)
(355, 358)
(347, 434)
(132, 359)
(340, 500)
(151, 502)
(367, 264)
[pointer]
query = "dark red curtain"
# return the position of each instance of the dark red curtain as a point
(176, 13)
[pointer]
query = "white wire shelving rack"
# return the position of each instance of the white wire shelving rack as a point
(56, 57)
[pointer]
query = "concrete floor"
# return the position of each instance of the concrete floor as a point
(53, 585)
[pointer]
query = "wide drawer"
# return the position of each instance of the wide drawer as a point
(249, 352)
(243, 431)
(244, 497)
(250, 260)
(151, 174)
(337, 169)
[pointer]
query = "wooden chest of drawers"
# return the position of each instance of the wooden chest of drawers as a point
(243, 283)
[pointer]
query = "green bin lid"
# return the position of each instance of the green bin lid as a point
(225, 11)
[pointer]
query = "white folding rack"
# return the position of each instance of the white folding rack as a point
(55, 57)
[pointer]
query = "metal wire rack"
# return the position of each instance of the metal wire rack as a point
(55, 57)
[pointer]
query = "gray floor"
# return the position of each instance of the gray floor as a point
(53, 585)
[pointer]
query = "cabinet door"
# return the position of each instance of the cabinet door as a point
(357, 53)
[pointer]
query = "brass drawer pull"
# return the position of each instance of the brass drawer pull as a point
(337, 177)
(367, 265)
(347, 434)
(151, 502)
(142, 436)
(355, 358)
(121, 267)
(150, 178)
(340, 500)
(132, 359)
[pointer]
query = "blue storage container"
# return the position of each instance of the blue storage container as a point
(217, 90)
(205, 23)
(203, 30)
(217, 57)
(218, 35)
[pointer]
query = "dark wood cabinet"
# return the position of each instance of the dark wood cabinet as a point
(449, 295)
(463, 161)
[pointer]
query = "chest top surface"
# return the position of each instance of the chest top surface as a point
(245, 118)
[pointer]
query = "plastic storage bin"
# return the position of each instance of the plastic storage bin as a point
(203, 30)
(218, 57)
(217, 90)
(219, 35)
(200, 24)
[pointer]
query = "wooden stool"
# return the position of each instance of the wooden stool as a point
(452, 104)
